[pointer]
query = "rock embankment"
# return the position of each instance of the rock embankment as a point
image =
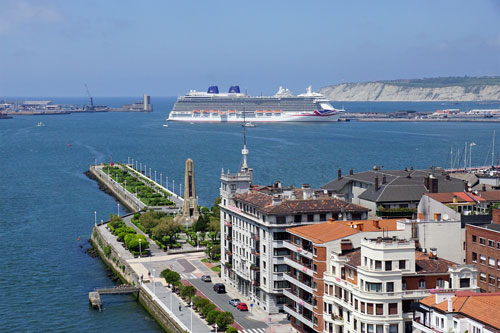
(378, 91)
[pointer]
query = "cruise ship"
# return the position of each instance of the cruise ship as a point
(234, 106)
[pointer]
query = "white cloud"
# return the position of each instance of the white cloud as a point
(17, 13)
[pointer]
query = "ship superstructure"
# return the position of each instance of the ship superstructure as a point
(234, 106)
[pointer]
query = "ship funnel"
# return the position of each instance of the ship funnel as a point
(234, 89)
(213, 90)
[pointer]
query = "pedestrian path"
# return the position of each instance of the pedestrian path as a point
(188, 276)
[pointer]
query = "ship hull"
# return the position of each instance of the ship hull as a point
(292, 117)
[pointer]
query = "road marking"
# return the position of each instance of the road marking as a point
(253, 330)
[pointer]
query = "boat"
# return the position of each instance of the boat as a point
(249, 124)
(165, 125)
(234, 106)
(40, 124)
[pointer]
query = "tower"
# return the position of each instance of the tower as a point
(190, 212)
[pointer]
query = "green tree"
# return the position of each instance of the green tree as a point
(201, 224)
(207, 308)
(214, 224)
(148, 221)
(212, 316)
(215, 252)
(200, 303)
(216, 208)
(188, 292)
(223, 319)
(171, 277)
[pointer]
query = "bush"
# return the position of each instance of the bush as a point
(223, 319)
(188, 292)
(212, 316)
(231, 329)
(207, 308)
(200, 303)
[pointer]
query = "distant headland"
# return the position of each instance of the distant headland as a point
(466, 88)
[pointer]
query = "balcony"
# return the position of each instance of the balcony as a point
(298, 316)
(255, 252)
(297, 299)
(255, 236)
(300, 267)
(228, 224)
(397, 212)
(254, 267)
(229, 238)
(421, 327)
(302, 285)
(298, 249)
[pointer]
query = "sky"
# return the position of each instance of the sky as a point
(166, 48)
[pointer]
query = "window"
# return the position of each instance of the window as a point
(310, 218)
(474, 257)
(393, 328)
(482, 259)
(482, 241)
(482, 277)
(491, 243)
(393, 308)
(263, 249)
(366, 261)
(379, 308)
(233, 188)
(476, 329)
(350, 273)
(474, 239)
(403, 285)
(388, 265)
(362, 307)
(440, 283)
(315, 268)
(491, 262)
(402, 264)
(280, 219)
(498, 245)
(369, 328)
(389, 287)
(421, 284)
(322, 217)
(442, 323)
(378, 264)
(376, 287)
(297, 218)
(264, 281)
(369, 308)
(498, 282)
(315, 251)
(491, 280)
(498, 263)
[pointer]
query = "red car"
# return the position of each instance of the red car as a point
(242, 307)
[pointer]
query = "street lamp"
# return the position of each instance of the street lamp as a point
(180, 189)
(161, 183)
(128, 160)
(215, 327)
(472, 144)
(117, 209)
(154, 284)
(191, 303)
(140, 170)
(140, 241)
(155, 176)
(173, 186)
(166, 182)
(136, 165)
(95, 218)
(149, 173)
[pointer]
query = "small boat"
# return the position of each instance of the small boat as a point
(165, 125)
(249, 125)
(40, 124)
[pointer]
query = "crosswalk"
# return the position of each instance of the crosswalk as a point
(188, 276)
(253, 330)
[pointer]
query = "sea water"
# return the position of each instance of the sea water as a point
(47, 203)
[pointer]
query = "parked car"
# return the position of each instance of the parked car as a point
(219, 288)
(206, 278)
(242, 307)
(234, 302)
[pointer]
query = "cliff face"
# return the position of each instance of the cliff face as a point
(377, 91)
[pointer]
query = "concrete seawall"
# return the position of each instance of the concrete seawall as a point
(109, 255)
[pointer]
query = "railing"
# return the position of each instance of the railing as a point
(308, 321)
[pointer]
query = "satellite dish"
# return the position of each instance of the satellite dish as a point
(445, 217)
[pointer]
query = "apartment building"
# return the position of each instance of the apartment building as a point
(460, 312)
(254, 220)
(483, 250)
(345, 279)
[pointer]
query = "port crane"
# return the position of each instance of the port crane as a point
(91, 107)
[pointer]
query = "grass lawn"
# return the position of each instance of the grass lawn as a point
(216, 269)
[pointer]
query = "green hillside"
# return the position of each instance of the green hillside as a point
(436, 82)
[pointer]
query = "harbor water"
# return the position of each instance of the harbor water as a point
(47, 203)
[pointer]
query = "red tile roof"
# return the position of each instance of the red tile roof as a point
(461, 197)
(323, 232)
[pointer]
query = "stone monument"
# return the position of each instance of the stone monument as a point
(189, 214)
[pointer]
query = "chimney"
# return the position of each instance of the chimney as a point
(351, 172)
(339, 174)
(433, 253)
(376, 183)
(384, 179)
(495, 216)
(426, 183)
(433, 183)
(345, 245)
(455, 198)
(483, 188)
(376, 224)
(450, 305)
